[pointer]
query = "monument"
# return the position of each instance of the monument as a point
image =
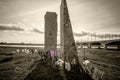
(68, 47)
(50, 31)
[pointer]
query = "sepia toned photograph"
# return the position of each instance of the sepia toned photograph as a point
(59, 39)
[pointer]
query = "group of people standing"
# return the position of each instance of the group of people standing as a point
(49, 56)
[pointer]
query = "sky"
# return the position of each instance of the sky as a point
(23, 20)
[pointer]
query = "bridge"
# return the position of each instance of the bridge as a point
(105, 44)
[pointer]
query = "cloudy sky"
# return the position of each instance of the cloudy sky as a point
(23, 20)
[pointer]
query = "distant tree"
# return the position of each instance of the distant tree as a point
(3, 42)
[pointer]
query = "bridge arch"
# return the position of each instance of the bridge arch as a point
(95, 45)
(84, 43)
(114, 44)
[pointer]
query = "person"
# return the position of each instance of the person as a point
(48, 56)
(40, 53)
(67, 66)
(32, 51)
(73, 63)
(43, 57)
(59, 63)
(52, 53)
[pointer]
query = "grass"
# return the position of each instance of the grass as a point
(18, 67)
(23, 64)
(44, 71)
(105, 60)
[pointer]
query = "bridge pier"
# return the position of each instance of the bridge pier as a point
(81, 46)
(105, 46)
(99, 46)
(89, 46)
(118, 47)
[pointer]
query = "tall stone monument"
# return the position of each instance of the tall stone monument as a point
(50, 31)
(68, 47)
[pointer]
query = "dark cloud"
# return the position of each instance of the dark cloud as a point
(11, 28)
(37, 31)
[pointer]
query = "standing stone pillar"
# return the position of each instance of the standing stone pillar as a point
(50, 31)
(68, 46)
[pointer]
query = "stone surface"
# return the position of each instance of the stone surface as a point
(68, 47)
(50, 31)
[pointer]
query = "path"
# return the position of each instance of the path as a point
(48, 71)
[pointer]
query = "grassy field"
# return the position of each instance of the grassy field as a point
(106, 61)
(17, 66)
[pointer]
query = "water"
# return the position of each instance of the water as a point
(35, 46)
(22, 46)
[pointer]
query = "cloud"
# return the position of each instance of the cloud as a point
(81, 34)
(11, 28)
(105, 35)
(37, 31)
